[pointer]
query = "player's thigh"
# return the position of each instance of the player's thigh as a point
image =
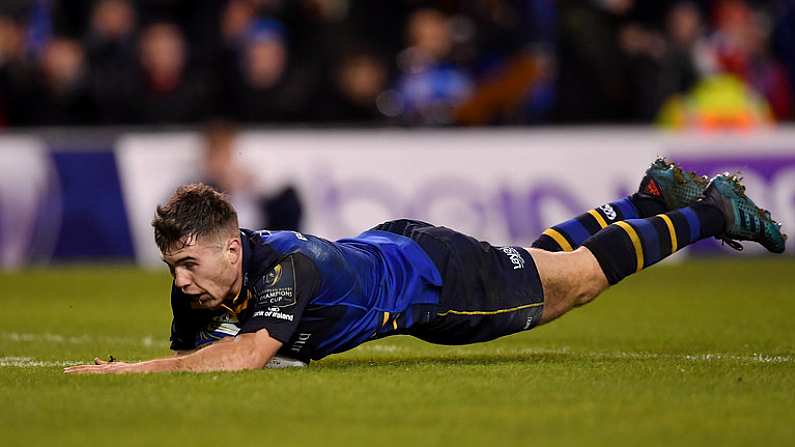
(489, 291)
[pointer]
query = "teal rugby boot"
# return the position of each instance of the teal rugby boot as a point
(667, 182)
(744, 220)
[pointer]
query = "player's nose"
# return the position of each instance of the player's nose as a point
(182, 281)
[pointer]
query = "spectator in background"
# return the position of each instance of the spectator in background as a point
(61, 93)
(430, 86)
(643, 50)
(15, 74)
(236, 20)
(741, 47)
(686, 46)
(110, 44)
(264, 92)
(282, 211)
(592, 83)
(675, 55)
(359, 80)
(322, 35)
(169, 92)
(112, 30)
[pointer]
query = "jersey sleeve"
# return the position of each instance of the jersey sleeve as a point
(280, 297)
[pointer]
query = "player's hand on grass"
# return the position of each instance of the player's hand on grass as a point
(100, 367)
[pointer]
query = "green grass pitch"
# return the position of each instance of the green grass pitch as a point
(698, 353)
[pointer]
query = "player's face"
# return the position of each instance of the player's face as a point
(208, 270)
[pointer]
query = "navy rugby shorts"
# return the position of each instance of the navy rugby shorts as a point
(487, 291)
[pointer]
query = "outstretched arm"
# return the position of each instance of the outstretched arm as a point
(246, 351)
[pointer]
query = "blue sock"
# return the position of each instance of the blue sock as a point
(629, 246)
(569, 235)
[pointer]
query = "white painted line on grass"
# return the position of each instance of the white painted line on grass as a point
(601, 355)
(147, 341)
(29, 362)
(385, 348)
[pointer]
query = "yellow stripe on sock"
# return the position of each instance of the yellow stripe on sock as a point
(633, 236)
(598, 217)
(671, 231)
(562, 242)
(386, 318)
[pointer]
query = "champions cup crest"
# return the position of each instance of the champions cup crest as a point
(273, 276)
(277, 288)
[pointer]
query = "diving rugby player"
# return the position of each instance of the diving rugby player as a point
(242, 298)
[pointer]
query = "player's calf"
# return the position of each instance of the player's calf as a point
(569, 279)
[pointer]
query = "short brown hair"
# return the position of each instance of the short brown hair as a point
(194, 210)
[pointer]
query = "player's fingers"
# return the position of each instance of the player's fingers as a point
(99, 361)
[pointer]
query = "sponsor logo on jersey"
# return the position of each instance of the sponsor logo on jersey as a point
(273, 312)
(516, 258)
(609, 211)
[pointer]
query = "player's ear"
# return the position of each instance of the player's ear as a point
(234, 250)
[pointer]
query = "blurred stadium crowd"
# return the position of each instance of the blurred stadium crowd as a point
(477, 62)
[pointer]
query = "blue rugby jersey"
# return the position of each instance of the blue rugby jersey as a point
(319, 297)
